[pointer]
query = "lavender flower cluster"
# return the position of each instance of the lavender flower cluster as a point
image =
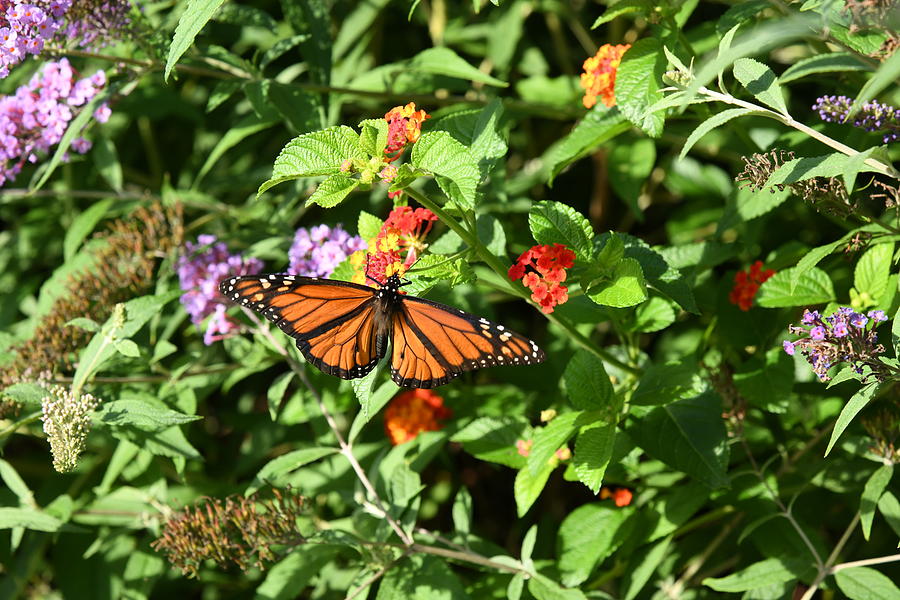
(26, 26)
(200, 269)
(93, 24)
(317, 251)
(873, 116)
(845, 336)
(34, 119)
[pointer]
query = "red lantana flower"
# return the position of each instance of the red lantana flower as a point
(413, 412)
(621, 496)
(542, 269)
(746, 284)
(404, 127)
(599, 77)
(396, 247)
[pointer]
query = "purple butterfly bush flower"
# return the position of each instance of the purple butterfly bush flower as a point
(200, 269)
(34, 119)
(845, 336)
(26, 26)
(872, 116)
(317, 251)
(96, 23)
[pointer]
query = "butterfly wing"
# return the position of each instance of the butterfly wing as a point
(434, 343)
(337, 325)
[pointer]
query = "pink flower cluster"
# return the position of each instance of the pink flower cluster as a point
(26, 26)
(34, 119)
(200, 269)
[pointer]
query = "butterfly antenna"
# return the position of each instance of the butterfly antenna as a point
(369, 277)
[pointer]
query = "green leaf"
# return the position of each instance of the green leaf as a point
(688, 435)
(593, 451)
(761, 574)
(141, 414)
(760, 80)
(494, 439)
(653, 315)
(439, 153)
(767, 383)
(647, 562)
(836, 62)
(444, 61)
(711, 123)
(827, 165)
(275, 393)
(630, 164)
(748, 204)
(28, 518)
(875, 487)
(873, 271)
(29, 395)
(638, 80)
(625, 7)
(241, 130)
(107, 162)
(421, 576)
(289, 576)
(14, 483)
(588, 535)
(462, 511)
(479, 130)
(333, 190)
(528, 544)
(192, 20)
(813, 287)
(313, 154)
(529, 486)
(887, 74)
(368, 226)
(83, 225)
(857, 402)
(889, 507)
(84, 323)
(373, 136)
(276, 470)
(548, 439)
(598, 127)
(659, 273)
(302, 111)
(626, 288)
(587, 384)
(668, 382)
(544, 588)
(127, 348)
(311, 18)
(811, 259)
(864, 583)
(371, 405)
(558, 223)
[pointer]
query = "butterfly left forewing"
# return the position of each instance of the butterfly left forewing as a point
(333, 322)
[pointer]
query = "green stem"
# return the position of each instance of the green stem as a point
(501, 269)
(36, 416)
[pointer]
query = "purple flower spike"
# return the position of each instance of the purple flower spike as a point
(872, 116)
(317, 251)
(788, 347)
(817, 333)
(200, 269)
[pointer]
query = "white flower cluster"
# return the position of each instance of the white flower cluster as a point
(67, 421)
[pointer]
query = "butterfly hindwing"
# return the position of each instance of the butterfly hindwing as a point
(434, 343)
(335, 323)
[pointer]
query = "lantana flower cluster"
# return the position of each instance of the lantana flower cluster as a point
(396, 247)
(412, 412)
(317, 251)
(599, 77)
(404, 127)
(746, 284)
(200, 269)
(34, 119)
(843, 337)
(542, 269)
(620, 496)
(872, 116)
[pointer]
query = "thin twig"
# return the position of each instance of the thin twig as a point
(826, 569)
(346, 449)
(865, 562)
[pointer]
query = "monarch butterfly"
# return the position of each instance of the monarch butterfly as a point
(343, 328)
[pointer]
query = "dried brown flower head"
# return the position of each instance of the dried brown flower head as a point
(239, 530)
(122, 267)
(883, 426)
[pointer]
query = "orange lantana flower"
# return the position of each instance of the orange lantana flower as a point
(599, 77)
(746, 284)
(403, 231)
(413, 412)
(621, 496)
(404, 127)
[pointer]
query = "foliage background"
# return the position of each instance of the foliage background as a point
(658, 382)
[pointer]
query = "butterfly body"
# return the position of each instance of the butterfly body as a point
(345, 329)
